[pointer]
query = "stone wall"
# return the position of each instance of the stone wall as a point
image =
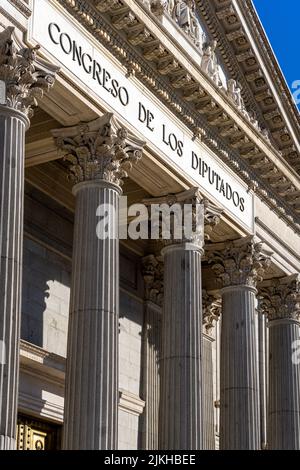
(45, 306)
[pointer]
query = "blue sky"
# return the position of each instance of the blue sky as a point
(281, 21)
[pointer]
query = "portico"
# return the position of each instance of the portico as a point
(144, 343)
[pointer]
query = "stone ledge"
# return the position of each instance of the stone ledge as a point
(130, 403)
(40, 408)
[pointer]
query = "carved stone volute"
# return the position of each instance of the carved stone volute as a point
(241, 262)
(99, 150)
(26, 77)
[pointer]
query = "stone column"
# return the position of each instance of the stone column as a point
(180, 412)
(262, 344)
(153, 281)
(239, 265)
(21, 82)
(211, 314)
(100, 154)
(282, 306)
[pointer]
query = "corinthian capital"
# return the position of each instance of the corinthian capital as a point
(25, 76)
(99, 150)
(211, 311)
(241, 262)
(185, 217)
(282, 299)
(153, 273)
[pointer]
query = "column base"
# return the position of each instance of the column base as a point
(7, 443)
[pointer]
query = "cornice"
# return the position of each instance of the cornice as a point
(273, 63)
(236, 48)
(23, 6)
(278, 190)
(232, 64)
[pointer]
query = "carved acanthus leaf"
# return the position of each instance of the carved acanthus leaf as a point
(241, 262)
(186, 214)
(99, 150)
(179, 218)
(282, 299)
(26, 78)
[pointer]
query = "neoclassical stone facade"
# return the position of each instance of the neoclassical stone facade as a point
(119, 330)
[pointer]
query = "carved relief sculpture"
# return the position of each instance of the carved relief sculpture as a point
(209, 62)
(184, 13)
(235, 93)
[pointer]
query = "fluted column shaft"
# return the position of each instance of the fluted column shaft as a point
(239, 266)
(208, 394)
(239, 391)
(280, 301)
(12, 148)
(22, 82)
(211, 307)
(151, 375)
(262, 343)
(91, 408)
(181, 359)
(152, 269)
(284, 382)
(101, 152)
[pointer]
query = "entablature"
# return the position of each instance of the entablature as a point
(141, 43)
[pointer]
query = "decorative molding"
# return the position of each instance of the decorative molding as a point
(35, 406)
(43, 365)
(241, 262)
(26, 77)
(240, 41)
(31, 352)
(130, 403)
(281, 301)
(22, 6)
(247, 6)
(99, 150)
